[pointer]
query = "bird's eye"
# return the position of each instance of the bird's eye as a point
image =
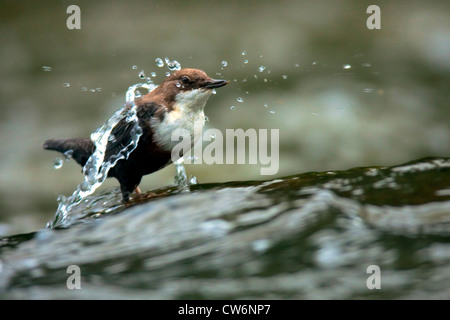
(185, 80)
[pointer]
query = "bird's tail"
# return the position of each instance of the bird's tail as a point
(82, 148)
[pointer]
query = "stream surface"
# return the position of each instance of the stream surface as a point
(307, 236)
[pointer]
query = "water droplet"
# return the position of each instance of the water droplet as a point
(66, 85)
(193, 180)
(112, 138)
(366, 64)
(134, 67)
(265, 79)
(244, 53)
(153, 74)
(272, 112)
(266, 105)
(68, 155)
(172, 65)
(245, 61)
(213, 91)
(314, 63)
(260, 55)
(98, 89)
(284, 76)
(224, 63)
(167, 73)
(159, 62)
(232, 107)
(261, 69)
(368, 90)
(84, 89)
(142, 74)
(239, 99)
(61, 198)
(206, 119)
(47, 68)
(297, 65)
(92, 90)
(346, 66)
(213, 135)
(57, 163)
(178, 84)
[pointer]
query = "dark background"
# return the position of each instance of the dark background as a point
(389, 106)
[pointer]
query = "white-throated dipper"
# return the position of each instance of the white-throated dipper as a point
(178, 102)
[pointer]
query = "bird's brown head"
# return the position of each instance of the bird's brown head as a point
(191, 87)
(190, 79)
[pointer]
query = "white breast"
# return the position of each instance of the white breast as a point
(187, 113)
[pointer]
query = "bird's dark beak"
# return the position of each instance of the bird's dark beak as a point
(213, 83)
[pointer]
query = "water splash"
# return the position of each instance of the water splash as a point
(159, 62)
(181, 178)
(96, 169)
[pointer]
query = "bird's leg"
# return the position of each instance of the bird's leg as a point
(137, 190)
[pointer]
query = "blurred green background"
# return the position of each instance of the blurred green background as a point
(342, 95)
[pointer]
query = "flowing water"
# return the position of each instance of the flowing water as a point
(308, 236)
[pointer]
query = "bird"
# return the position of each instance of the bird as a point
(178, 102)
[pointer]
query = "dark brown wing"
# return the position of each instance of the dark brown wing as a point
(124, 132)
(120, 141)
